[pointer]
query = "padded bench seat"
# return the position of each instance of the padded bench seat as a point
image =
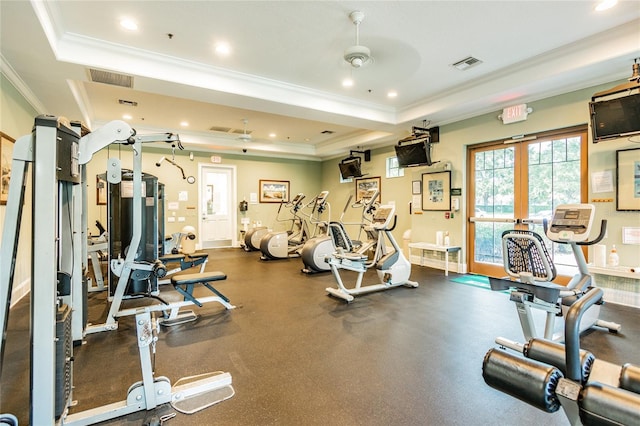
(168, 258)
(184, 284)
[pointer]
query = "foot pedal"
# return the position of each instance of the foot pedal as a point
(183, 317)
(192, 394)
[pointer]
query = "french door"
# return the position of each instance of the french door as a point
(514, 185)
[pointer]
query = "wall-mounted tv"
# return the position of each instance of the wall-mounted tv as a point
(414, 155)
(615, 118)
(350, 168)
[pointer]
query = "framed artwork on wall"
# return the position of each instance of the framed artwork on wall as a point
(6, 157)
(628, 177)
(274, 191)
(436, 191)
(365, 184)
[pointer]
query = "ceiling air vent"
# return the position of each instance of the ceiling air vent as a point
(466, 63)
(220, 129)
(241, 131)
(127, 103)
(111, 78)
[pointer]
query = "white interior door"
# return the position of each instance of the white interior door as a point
(216, 208)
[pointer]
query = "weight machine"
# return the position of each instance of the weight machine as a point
(548, 374)
(551, 375)
(58, 155)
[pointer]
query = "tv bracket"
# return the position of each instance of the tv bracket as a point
(418, 133)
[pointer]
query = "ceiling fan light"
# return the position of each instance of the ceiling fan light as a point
(357, 56)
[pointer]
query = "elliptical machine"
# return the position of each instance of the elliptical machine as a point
(392, 267)
(526, 259)
(285, 244)
(316, 250)
(253, 237)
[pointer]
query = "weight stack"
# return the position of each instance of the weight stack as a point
(64, 348)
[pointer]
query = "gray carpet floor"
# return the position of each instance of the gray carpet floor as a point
(406, 356)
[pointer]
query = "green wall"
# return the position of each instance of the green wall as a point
(302, 175)
(548, 114)
(310, 177)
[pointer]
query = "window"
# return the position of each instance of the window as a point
(393, 169)
(524, 180)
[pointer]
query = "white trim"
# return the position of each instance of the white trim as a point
(21, 86)
(233, 213)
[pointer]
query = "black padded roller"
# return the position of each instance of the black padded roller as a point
(528, 380)
(553, 353)
(605, 405)
(630, 378)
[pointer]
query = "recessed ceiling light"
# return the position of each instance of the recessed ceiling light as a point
(127, 117)
(605, 4)
(272, 135)
(128, 24)
(223, 48)
(347, 82)
(392, 94)
(184, 123)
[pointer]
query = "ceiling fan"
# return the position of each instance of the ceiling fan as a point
(357, 55)
(244, 136)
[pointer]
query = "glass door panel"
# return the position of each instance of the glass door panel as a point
(516, 186)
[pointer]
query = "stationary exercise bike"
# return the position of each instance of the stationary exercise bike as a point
(392, 267)
(285, 244)
(527, 260)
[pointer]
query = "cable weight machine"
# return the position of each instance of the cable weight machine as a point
(57, 155)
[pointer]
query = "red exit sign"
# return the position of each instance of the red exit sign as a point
(515, 113)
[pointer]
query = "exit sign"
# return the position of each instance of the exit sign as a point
(515, 113)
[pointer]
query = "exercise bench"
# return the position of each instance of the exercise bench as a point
(184, 284)
(186, 261)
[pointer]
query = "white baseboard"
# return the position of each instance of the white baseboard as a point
(20, 291)
(439, 264)
(621, 297)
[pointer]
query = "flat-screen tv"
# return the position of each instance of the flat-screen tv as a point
(413, 155)
(615, 118)
(350, 168)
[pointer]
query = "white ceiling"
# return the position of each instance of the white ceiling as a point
(285, 70)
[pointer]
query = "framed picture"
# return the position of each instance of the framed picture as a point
(628, 177)
(274, 191)
(365, 184)
(101, 191)
(416, 187)
(6, 157)
(436, 191)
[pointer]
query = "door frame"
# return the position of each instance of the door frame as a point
(522, 180)
(233, 191)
